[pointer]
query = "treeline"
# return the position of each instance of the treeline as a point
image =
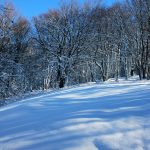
(73, 44)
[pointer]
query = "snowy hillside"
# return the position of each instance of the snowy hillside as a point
(109, 116)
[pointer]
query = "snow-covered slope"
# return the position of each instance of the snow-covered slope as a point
(109, 116)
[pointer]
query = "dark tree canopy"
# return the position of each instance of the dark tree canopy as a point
(73, 44)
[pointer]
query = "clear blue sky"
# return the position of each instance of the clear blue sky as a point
(29, 8)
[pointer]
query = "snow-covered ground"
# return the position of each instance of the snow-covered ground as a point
(109, 116)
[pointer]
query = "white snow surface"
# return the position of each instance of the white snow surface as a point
(109, 116)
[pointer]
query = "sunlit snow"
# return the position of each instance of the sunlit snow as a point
(108, 116)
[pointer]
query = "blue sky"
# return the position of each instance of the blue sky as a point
(29, 8)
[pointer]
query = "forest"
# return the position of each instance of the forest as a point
(73, 44)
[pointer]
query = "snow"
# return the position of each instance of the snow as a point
(108, 116)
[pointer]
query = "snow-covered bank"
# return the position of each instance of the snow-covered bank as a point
(109, 116)
(27, 95)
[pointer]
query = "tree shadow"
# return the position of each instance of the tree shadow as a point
(72, 119)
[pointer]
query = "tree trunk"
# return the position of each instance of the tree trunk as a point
(144, 74)
(132, 72)
(140, 74)
(62, 82)
(148, 73)
(60, 79)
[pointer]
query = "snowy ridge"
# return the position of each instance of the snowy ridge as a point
(109, 116)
